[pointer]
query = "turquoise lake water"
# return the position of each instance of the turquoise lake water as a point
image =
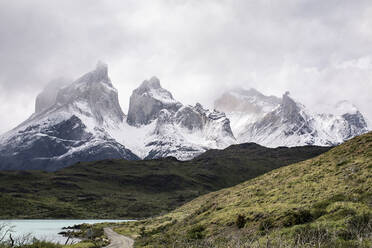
(46, 229)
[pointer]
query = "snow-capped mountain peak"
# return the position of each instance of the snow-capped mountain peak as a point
(98, 75)
(72, 129)
(291, 111)
(152, 83)
(93, 95)
(152, 88)
(288, 122)
(148, 100)
(165, 127)
(189, 131)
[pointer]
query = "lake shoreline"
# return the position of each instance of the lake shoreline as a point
(50, 229)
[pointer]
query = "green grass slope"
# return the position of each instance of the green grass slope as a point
(322, 202)
(135, 189)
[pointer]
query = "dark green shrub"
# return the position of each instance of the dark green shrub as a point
(240, 221)
(197, 232)
(317, 213)
(336, 198)
(360, 226)
(298, 218)
(266, 225)
(342, 162)
(345, 212)
(345, 235)
(339, 198)
(305, 235)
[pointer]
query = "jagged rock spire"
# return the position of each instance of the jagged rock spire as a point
(99, 74)
(148, 100)
(94, 91)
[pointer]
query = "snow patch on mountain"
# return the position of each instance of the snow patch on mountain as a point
(133, 137)
(159, 126)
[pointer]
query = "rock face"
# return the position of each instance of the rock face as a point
(273, 122)
(93, 92)
(160, 126)
(148, 100)
(46, 146)
(355, 125)
(287, 125)
(188, 132)
(70, 129)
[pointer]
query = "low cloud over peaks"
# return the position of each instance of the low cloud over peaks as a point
(318, 50)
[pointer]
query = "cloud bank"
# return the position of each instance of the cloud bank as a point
(318, 50)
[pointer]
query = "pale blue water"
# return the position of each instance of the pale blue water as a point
(47, 229)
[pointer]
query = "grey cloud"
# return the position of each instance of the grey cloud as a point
(196, 48)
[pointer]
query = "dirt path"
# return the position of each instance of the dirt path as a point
(117, 240)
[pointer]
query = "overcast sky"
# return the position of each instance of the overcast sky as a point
(321, 51)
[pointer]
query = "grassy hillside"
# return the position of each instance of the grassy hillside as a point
(322, 202)
(135, 189)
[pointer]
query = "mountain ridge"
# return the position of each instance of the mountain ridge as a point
(272, 122)
(157, 125)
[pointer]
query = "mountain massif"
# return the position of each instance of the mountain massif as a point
(159, 126)
(81, 120)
